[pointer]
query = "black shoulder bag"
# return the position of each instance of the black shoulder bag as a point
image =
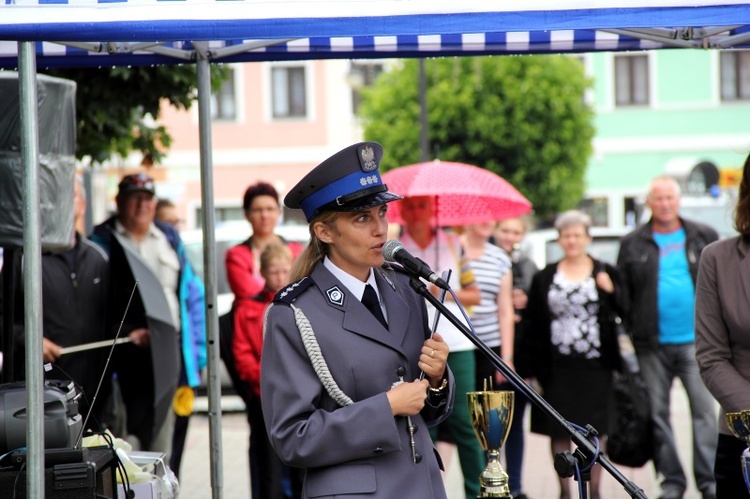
(630, 442)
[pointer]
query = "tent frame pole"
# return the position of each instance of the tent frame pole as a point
(209, 264)
(32, 268)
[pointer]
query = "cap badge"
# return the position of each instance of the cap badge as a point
(367, 159)
(335, 296)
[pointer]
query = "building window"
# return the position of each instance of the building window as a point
(289, 92)
(223, 101)
(735, 75)
(362, 75)
(631, 80)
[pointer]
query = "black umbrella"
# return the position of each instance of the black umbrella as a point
(150, 300)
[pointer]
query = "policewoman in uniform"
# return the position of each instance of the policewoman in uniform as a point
(344, 346)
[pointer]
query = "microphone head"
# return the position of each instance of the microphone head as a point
(390, 248)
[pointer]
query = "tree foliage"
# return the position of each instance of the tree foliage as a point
(521, 117)
(117, 108)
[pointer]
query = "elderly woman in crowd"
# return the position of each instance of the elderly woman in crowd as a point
(571, 310)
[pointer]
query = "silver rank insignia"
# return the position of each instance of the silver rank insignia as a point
(367, 159)
(335, 296)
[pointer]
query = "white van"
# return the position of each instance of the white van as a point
(541, 245)
(227, 235)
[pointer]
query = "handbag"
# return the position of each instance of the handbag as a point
(630, 443)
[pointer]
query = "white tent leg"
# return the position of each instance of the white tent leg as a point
(209, 266)
(32, 268)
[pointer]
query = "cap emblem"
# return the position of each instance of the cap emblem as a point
(367, 159)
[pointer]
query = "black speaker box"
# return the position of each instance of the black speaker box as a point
(68, 474)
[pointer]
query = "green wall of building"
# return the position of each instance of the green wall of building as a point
(685, 118)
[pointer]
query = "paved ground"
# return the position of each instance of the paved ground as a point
(540, 480)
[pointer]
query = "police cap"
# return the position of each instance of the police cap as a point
(347, 181)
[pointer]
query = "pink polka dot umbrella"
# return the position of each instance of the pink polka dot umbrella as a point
(465, 194)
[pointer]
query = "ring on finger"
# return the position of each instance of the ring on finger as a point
(432, 353)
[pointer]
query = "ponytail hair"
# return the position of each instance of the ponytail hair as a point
(315, 251)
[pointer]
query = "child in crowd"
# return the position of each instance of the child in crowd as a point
(267, 469)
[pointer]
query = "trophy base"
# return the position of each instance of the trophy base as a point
(493, 482)
(494, 493)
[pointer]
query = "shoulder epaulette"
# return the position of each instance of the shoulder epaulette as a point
(290, 293)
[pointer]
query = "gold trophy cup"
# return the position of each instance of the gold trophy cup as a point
(739, 424)
(491, 415)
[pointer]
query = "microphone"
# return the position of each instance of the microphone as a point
(394, 251)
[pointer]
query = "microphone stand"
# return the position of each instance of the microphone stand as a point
(585, 453)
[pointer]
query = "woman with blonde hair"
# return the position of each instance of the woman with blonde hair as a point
(345, 344)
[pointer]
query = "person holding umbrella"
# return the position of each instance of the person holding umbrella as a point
(443, 251)
(165, 321)
(345, 344)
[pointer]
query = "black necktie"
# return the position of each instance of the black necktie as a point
(370, 300)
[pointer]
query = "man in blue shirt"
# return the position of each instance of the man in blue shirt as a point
(659, 264)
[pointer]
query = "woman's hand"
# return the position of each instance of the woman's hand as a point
(604, 282)
(433, 359)
(500, 377)
(520, 300)
(407, 399)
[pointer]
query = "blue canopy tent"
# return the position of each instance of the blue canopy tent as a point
(82, 33)
(85, 33)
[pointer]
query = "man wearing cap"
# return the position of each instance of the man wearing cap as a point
(158, 247)
(345, 344)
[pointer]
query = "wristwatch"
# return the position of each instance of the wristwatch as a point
(439, 390)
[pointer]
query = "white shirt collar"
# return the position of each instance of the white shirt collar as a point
(120, 229)
(354, 285)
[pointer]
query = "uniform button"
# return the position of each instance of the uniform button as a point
(417, 457)
(378, 450)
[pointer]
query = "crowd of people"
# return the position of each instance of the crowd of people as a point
(335, 357)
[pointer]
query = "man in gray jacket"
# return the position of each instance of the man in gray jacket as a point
(659, 264)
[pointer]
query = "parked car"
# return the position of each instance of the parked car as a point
(226, 236)
(541, 245)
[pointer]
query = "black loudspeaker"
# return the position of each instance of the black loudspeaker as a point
(68, 474)
(57, 141)
(62, 421)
